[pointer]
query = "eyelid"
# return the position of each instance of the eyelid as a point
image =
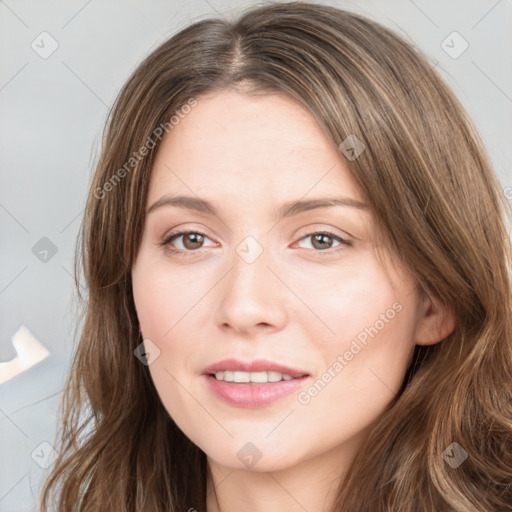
(317, 228)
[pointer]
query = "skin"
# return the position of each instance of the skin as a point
(298, 303)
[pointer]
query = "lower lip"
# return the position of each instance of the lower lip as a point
(253, 395)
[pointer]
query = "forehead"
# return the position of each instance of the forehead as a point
(251, 147)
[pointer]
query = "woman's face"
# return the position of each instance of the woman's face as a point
(256, 280)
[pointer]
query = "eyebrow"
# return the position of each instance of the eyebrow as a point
(288, 209)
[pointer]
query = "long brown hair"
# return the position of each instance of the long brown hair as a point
(437, 203)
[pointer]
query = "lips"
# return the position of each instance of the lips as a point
(258, 365)
(252, 394)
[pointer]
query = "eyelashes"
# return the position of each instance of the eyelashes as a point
(320, 236)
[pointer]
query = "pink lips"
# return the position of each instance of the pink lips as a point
(252, 395)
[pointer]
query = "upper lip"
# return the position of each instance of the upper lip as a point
(257, 365)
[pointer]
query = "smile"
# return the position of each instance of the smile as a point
(252, 377)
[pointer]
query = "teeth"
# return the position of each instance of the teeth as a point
(254, 377)
(240, 377)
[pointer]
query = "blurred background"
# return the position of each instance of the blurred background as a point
(62, 65)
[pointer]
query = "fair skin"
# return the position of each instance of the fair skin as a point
(299, 303)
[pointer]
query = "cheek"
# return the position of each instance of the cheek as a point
(161, 299)
(357, 301)
(167, 299)
(368, 343)
(162, 295)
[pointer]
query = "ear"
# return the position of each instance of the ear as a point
(435, 321)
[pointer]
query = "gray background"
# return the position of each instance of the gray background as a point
(53, 111)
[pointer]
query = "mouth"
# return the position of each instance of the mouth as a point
(252, 384)
(240, 377)
(258, 371)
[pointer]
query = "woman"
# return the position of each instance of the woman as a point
(299, 289)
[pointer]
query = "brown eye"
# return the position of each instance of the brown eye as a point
(192, 240)
(325, 240)
(322, 241)
(184, 241)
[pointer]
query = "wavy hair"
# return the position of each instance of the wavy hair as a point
(439, 208)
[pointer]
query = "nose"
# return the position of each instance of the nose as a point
(252, 299)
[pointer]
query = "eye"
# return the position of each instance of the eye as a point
(192, 240)
(323, 240)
